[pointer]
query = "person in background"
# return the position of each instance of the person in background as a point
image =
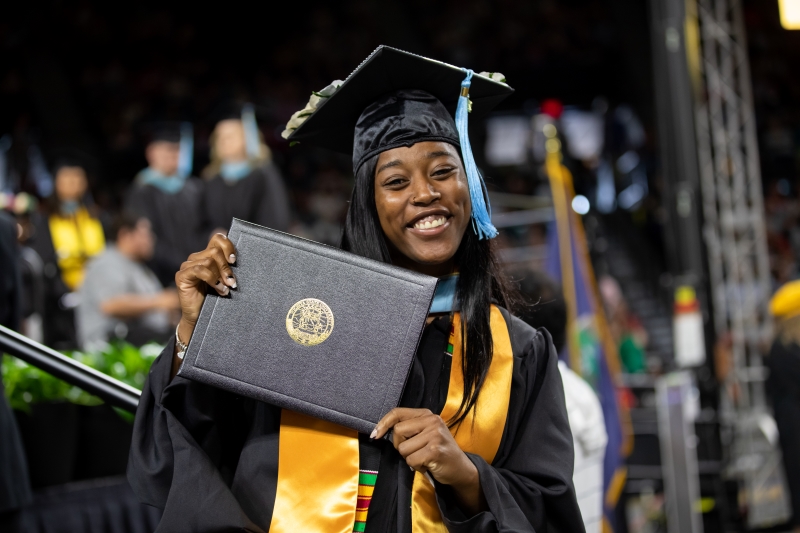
(241, 180)
(783, 385)
(66, 236)
(15, 491)
(545, 307)
(167, 195)
(628, 332)
(124, 299)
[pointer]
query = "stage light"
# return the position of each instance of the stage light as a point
(580, 204)
(790, 14)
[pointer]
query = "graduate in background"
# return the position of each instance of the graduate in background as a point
(783, 385)
(65, 236)
(547, 309)
(481, 442)
(15, 490)
(170, 198)
(241, 180)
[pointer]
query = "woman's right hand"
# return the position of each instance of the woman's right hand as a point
(211, 267)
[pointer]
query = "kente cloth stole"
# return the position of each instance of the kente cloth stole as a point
(320, 488)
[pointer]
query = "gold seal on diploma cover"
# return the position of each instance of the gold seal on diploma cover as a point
(309, 322)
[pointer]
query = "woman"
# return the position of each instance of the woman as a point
(66, 237)
(481, 440)
(784, 386)
(242, 181)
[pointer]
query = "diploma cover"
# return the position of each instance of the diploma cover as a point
(311, 328)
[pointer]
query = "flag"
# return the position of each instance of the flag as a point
(590, 351)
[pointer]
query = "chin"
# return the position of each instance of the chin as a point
(433, 258)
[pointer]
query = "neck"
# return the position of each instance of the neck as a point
(436, 270)
(127, 250)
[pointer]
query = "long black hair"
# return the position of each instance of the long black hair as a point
(480, 281)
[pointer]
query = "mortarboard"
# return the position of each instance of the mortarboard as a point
(395, 98)
(179, 133)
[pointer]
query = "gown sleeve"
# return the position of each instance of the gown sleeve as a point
(528, 487)
(186, 443)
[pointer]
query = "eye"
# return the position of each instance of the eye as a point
(441, 172)
(395, 182)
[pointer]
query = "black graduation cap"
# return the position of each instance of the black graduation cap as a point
(385, 71)
(395, 98)
(163, 131)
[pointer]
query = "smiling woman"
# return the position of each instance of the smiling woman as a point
(481, 441)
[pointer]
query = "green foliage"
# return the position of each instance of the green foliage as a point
(27, 385)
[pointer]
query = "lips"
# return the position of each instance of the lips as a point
(430, 219)
(430, 222)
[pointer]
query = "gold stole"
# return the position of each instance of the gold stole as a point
(318, 461)
(75, 239)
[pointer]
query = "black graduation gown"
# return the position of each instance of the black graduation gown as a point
(260, 198)
(15, 490)
(783, 385)
(210, 459)
(177, 223)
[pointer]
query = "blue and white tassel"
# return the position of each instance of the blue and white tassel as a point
(251, 140)
(481, 211)
(186, 150)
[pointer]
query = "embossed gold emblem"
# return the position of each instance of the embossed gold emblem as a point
(309, 322)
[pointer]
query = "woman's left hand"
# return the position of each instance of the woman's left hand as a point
(425, 442)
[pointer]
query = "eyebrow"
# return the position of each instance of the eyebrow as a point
(432, 155)
(390, 164)
(397, 162)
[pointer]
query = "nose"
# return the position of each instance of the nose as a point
(423, 192)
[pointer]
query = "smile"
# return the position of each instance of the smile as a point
(430, 222)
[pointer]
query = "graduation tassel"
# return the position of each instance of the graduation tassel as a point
(481, 212)
(186, 150)
(251, 141)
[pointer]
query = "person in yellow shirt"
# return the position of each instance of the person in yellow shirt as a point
(68, 234)
(783, 385)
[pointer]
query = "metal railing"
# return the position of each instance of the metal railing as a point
(108, 389)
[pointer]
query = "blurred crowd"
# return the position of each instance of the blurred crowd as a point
(774, 52)
(95, 101)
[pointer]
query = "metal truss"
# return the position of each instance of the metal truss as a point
(736, 243)
(733, 205)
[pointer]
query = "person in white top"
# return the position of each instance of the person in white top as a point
(547, 309)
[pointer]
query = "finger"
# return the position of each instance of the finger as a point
(398, 414)
(423, 460)
(206, 271)
(224, 268)
(413, 444)
(228, 249)
(407, 429)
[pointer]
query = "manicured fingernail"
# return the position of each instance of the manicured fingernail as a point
(412, 468)
(231, 282)
(374, 433)
(232, 258)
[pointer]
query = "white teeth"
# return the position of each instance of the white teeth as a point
(430, 223)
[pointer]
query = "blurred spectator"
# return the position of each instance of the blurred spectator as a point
(65, 237)
(15, 489)
(781, 213)
(171, 201)
(784, 385)
(628, 332)
(123, 298)
(545, 307)
(242, 181)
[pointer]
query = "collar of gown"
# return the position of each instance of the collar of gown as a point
(444, 299)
